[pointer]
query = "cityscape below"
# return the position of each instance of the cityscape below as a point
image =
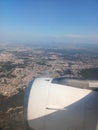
(19, 64)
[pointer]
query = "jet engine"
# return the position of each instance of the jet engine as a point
(61, 104)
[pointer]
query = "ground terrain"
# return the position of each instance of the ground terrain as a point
(20, 63)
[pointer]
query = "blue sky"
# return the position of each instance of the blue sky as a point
(68, 21)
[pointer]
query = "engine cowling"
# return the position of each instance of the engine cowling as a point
(61, 104)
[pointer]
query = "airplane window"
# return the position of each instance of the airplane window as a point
(55, 39)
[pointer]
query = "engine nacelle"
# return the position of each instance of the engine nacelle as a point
(61, 104)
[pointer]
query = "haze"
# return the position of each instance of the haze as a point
(48, 21)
